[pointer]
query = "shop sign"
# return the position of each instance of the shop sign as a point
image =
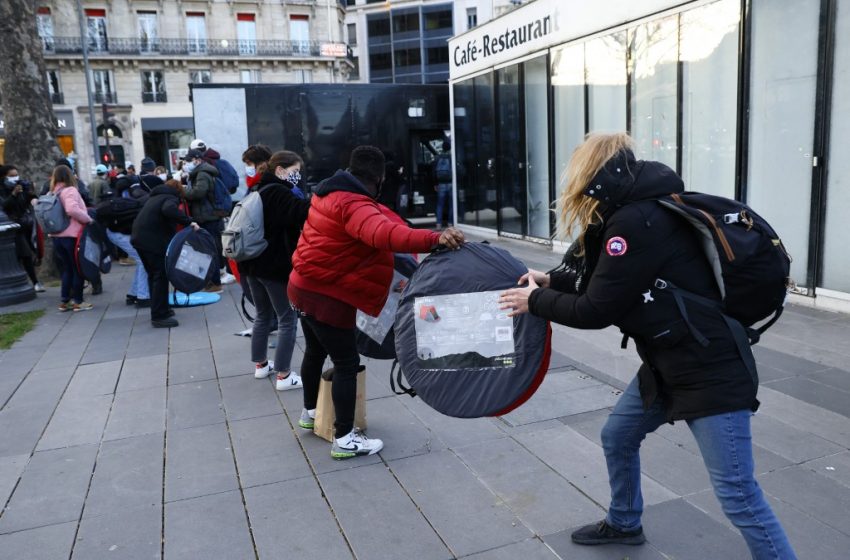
(64, 123)
(334, 49)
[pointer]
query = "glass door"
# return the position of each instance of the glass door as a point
(511, 161)
(196, 32)
(783, 84)
(538, 215)
(96, 30)
(485, 154)
(246, 31)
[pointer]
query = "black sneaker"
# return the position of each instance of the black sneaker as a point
(602, 533)
(143, 303)
(167, 323)
(130, 300)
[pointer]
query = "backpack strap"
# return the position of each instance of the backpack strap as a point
(679, 296)
(404, 390)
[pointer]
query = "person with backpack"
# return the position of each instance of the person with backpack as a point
(443, 186)
(283, 211)
(201, 193)
(16, 196)
(117, 215)
(99, 187)
(641, 267)
(344, 262)
(63, 186)
(152, 231)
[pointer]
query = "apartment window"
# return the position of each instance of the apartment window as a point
(471, 17)
(153, 87)
(352, 34)
(200, 76)
(147, 32)
(45, 28)
(438, 21)
(299, 33)
(96, 30)
(196, 32)
(406, 23)
(54, 88)
(246, 31)
(104, 88)
(250, 76)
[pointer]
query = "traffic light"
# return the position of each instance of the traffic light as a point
(107, 158)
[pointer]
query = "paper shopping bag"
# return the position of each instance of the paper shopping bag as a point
(323, 425)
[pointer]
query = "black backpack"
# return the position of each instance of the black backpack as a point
(118, 214)
(748, 259)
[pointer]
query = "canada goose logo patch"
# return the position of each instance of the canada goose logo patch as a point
(616, 246)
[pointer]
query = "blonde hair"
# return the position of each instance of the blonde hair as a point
(575, 210)
(62, 175)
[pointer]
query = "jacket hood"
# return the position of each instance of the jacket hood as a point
(342, 181)
(164, 189)
(624, 179)
(211, 154)
(206, 168)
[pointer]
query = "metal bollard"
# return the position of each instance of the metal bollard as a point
(15, 287)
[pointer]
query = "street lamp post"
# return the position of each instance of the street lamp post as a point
(87, 69)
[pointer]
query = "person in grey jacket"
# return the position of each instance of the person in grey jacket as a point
(200, 192)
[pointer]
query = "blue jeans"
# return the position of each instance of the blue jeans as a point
(72, 280)
(444, 198)
(273, 309)
(726, 446)
(139, 288)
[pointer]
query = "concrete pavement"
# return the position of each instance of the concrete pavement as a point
(122, 441)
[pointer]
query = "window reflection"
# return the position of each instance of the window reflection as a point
(605, 68)
(568, 92)
(653, 52)
(709, 56)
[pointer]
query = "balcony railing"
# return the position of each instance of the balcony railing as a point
(198, 47)
(154, 97)
(105, 97)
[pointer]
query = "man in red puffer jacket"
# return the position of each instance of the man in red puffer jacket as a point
(344, 262)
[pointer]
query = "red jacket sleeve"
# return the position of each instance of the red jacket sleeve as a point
(364, 220)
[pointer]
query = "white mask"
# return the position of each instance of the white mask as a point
(190, 166)
(250, 171)
(163, 176)
(13, 180)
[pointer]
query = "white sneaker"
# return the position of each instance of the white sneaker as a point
(227, 278)
(38, 287)
(261, 372)
(354, 444)
(291, 381)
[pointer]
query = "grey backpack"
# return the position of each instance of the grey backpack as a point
(244, 237)
(51, 214)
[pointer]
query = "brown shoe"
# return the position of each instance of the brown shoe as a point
(85, 306)
(214, 289)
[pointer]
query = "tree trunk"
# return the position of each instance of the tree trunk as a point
(30, 126)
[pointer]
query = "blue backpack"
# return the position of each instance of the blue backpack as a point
(443, 168)
(227, 175)
(222, 201)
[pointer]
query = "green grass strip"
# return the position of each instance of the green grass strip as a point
(15, 325)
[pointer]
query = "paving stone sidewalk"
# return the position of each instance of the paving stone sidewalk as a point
(119, 441)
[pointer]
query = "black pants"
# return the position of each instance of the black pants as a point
(157, 282)
(323, 340)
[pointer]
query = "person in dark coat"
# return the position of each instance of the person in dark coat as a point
(16, 198)
(200, 192)
(152, 231)
(284, 213)
(633, 250)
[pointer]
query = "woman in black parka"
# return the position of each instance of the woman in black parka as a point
(153, 230)
(633, 250)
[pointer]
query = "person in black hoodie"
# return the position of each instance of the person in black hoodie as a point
(16, 201)
(152, 230)
(284, 212)
(633, 251)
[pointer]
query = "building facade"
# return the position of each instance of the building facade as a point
(405, 41)
(743, 98)
(143, 55)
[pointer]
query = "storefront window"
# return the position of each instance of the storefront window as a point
(782, 112)
(605, 67)
(568, 93)
(836, 259)
(709, 57)
(485, 156)
(653, 55)
(537, 148)
(512, 202)
(465, 152)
